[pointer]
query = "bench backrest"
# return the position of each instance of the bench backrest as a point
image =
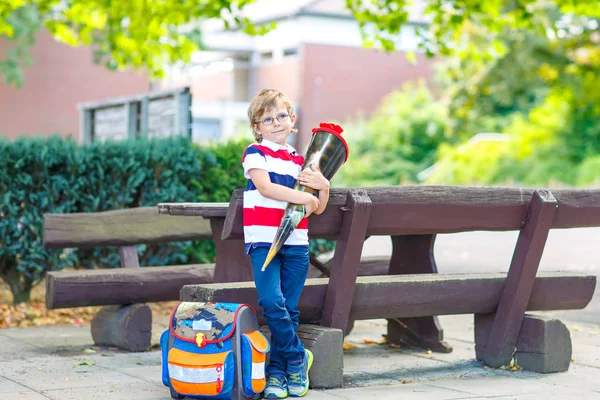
(123, 228)
(411, 210)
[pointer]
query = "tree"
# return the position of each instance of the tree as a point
(533, 80)
(143, 34)
(399, 140)
(149, 34)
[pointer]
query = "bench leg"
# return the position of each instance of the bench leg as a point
(232, 263)
(346, 262)
(326, 345)
(413, 254)
(519, 281)
(423, 332)
(126, 327)
(544, 344)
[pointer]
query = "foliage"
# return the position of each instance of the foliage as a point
(537, 87)
(555, 143)
(149, 35)
(52, 175)
(55, 175)
(382, 21)
(140, 34)
(398, 141)
(589, 171)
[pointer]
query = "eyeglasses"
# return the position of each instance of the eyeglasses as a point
(269, 120)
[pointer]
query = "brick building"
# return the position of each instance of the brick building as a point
(315, 55)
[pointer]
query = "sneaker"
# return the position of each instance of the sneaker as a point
(277, 387)
(298, 376)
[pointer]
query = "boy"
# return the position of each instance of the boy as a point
(272, 167)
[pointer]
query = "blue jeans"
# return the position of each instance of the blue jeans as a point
(279, 288)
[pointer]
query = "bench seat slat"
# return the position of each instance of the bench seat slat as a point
(405, 296)
(115, 286)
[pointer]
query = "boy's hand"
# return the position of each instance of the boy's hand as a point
(311, 203)
(313, 178)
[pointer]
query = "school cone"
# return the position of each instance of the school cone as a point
(327, 150)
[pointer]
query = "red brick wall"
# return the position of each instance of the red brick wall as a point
(59, 78)
(283, 76)
(338, 82)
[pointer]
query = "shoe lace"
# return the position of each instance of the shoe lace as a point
(275, 381)
(295, 378)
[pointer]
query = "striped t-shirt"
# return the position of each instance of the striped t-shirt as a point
(262, 215)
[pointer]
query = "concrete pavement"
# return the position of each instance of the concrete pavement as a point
(61, 363)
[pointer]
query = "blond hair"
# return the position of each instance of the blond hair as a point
(261, 103)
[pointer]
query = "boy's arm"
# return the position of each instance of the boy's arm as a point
(262, 181)
(313, 178)
(323, 199)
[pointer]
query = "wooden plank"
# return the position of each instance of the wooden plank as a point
(86, 128)
(413, 254)
(420, 295)
(144, 114)
(115, 101)
(183, 116)
(414, 210)
(111, 122)
(519, 282)
(128, 257)
(346, 261)
(208, 210)
(232, 264)
(121, 286)
(133, 113)
(141, 225)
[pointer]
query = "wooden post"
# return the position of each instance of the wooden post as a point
(232, 264)
(144, 115)
(128, 257)
(502, 340)
(413, 254)
(183, 122)
(86, 125)
(132, 113)
(346, 261)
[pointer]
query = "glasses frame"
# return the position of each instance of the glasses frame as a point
(281, 118)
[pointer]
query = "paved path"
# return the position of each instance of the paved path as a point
(59, 362)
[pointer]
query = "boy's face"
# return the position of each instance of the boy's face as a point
(276, 124)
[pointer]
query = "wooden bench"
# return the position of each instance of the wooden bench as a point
(125, 322)
(414, 294)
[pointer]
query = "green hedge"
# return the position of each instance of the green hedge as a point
(56, 175)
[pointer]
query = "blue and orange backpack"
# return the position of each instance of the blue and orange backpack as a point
(214, 351)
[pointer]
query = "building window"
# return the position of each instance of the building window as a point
(266, 56)
(292, 51)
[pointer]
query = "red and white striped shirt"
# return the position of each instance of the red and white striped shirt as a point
(262, 215)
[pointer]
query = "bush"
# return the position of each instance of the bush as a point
(540, 149)
(589, 172)
(398, 141)
(55, 175)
